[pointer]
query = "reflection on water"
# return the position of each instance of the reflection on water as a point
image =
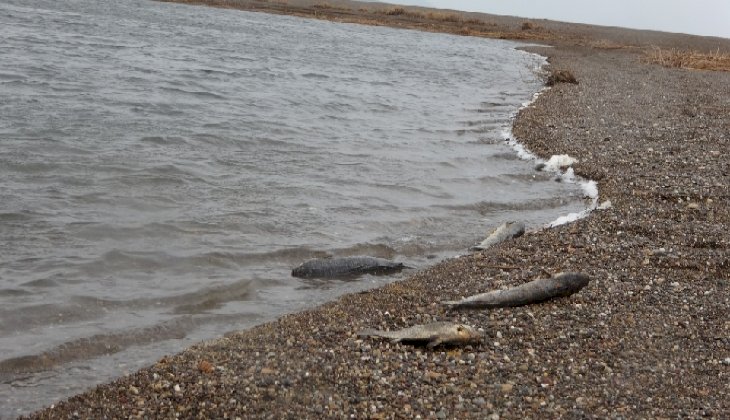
(163, 168)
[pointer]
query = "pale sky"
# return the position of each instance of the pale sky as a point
(699, 17)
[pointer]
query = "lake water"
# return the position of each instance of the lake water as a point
(163, 167)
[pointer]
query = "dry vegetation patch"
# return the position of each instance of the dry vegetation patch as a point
(688, 59)
(530, 26)
(561, 76)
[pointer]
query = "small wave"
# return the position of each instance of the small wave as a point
(315, 76)
(118, 260)
(489, 207)
(32, 167)
(286, 255)
(196, 302)
(43, 283)
(14, 292)
(372, 250)
(16, 216)
(530, 176)
(34, 316)
(212, 298)
(160, 175)
(95, 346)
(85, 308)
(11, 77)
(511, 156)
(162, 140)
(196, 94)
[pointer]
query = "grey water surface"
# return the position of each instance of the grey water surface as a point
(163, 167)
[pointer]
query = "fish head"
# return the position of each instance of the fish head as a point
(467, 333)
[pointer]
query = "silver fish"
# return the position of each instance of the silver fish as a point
(563, 284)
(433, 334)
(502, 233)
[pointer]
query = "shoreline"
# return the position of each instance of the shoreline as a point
(589, 186)
(648, 337)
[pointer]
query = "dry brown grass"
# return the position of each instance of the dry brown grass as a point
(528, 26)
(687, 59)
(560, 76)
(395, 11)
(444, 17)
(417, 14)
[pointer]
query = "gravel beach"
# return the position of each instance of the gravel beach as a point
(649, 337)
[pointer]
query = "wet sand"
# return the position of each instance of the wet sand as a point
(648, 337)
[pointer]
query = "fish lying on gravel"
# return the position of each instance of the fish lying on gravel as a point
(346, 267)
(563, 284)
(432, 334)
(502, 233)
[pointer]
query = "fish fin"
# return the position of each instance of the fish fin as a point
(451, 304)
(434, 341)
(356, 271)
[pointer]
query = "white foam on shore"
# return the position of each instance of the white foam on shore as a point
(559, 164)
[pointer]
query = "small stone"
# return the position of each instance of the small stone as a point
(479, 401)
(434, 375)
(726, 361)
(507, 388)
(177, 388)
(134, 390)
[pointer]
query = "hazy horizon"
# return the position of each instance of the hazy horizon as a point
(700, 17)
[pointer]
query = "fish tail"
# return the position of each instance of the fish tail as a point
(369, 332)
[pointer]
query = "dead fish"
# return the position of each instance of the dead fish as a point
(502, 233)
(432, 334)
(346, 267)
(563, 284)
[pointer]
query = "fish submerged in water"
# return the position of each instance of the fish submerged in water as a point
(346, 267)
(432, 334)
(502, 233)
(563, 284)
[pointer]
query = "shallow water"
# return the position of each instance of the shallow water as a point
(163, 167)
